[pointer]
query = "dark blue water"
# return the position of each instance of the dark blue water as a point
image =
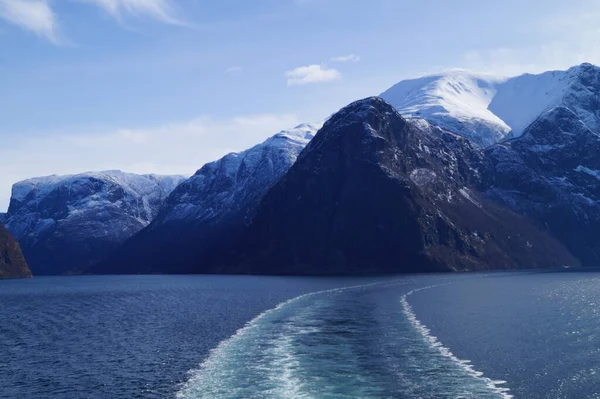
(123, 337)
(500, 335)
(539, 331)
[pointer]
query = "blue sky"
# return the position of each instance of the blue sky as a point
(164, 86)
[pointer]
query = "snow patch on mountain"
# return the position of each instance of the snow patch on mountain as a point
(459, 93)
(520, 100)
(139, 185)
(422, 177)
(488, 108)
(228, 185)
(456, 100)
(38, 203)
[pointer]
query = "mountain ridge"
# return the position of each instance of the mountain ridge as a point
(66, 223)
(488, 108)
(207, 211)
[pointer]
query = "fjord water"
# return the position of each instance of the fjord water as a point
(494, 335)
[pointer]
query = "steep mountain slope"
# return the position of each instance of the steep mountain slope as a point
(12, 262)
(206, 212)
(486, 108)
(375, 193)
(67, 223)
(552, 174)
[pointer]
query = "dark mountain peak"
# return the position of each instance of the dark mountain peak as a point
(371, 112)
(585, 68)
(555, 125)
(558, 113)
(364, 107)
(374, 192)
(364, 129)
(590, 76)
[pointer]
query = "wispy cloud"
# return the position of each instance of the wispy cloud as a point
(346, 58)
(39, 17)
(33, 15)
(176, 148)
(311, 74)
(160, 10)
(234, 70)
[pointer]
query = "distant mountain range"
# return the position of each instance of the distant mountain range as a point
(65, 224)
(206, 213)
(456, 171)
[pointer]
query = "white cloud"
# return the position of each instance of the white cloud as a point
(160, 10)
(234, 69)
(178, 148)
(346, 58)
(311, 74)
(39, 17)
(33, 15)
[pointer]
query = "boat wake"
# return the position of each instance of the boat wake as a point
(352, 342)
(494, 386)
(256, 362)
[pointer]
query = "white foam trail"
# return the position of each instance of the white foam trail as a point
(433, 341)
(201, 377)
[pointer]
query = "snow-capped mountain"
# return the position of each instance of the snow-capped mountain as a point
(486, 108)
(205, 212)
(67, 223)
(226, 186)
(374, 193)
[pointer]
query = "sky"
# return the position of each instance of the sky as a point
(164, 86)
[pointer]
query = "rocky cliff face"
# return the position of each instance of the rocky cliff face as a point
(207, 211)
(65, 224)
(12, 262)
(374, 193)
(552, 174)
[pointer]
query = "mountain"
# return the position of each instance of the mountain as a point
(479, 172)
(486, 109)
(375, 193)
(12, 262)
(205, 213)
(65, 224)
(552, 174)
